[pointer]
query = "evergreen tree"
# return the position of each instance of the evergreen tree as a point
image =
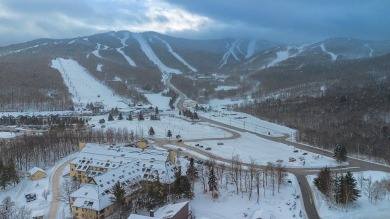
(169, 134)
(351, 193)
(191, 171)
(119, 197)
(110, 117)
(213, 182)
(340, 153)
(151, 131)
(140, 117)
(120, 117)
(156, 110)
(323, 181)
(130, 117)
(3, 175)
(12, 172)
(177, 189)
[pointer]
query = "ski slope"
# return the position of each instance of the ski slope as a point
(152, 56)
(251, 48)
(177, 56)
(96, 51)
(371, 50)
(85, 88)
(280, 57)
(229, 53)
(120, 50)
(334, 56)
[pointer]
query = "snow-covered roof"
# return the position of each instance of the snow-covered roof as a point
(34, 170)
(127, 165)
(136, 216)
(90, 197)
(37, 213)
(170, 210)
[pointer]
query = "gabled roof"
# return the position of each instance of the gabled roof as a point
(34, 170)
(90, 197)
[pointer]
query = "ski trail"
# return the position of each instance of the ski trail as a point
(238, 47)
(96, 51)
(84, 87)
(120, 50)
(251, 48)
(71, 42)
(334, 56)
(371, 50)
(152, 56)
(280, 57)
(228, 53)
(177, 56)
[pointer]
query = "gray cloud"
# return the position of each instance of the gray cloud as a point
(277, 20)
(298, 20)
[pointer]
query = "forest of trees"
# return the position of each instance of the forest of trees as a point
(350, 114)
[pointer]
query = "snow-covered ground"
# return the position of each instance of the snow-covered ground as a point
(120, 50)
(334, 56)
(362, 208)
(158, 100)
(152, 56)
(250, 146)
(177, 56)
(229, 205)
(8, 134)
(161, 127)
(229, 53)
(85, 88)
(226, 88)
(27, 186)
(251, 48)
(96, 51)
(248, 122)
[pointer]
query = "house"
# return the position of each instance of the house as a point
(39, 214)
(171, 211)
(100, 166)
(36, 173)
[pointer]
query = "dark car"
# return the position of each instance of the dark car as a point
(180, 140)
(30, 197)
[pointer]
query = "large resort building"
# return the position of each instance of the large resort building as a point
(99, 167)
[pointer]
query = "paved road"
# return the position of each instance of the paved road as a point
(56, 189)
(300, 173)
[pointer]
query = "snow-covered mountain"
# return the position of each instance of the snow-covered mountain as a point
(130, 63)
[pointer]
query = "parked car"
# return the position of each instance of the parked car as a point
(30, 197)
(295, 151)
(305, 153)
(220, 143)
(180, 140)
(208, 149)
(197, 145)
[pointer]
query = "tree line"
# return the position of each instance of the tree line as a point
(350, 114)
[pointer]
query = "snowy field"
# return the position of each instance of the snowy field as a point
(361, 208)
(161, 102)
(8, 135)
(161, 127)
(85, 88)
(248, 122)
(262, 150)
(232, 206)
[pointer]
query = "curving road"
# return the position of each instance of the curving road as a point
(56, 189)
(300, 173)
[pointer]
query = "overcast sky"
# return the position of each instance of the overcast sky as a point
(286, 21)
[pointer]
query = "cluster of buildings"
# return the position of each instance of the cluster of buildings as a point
(99, 167)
